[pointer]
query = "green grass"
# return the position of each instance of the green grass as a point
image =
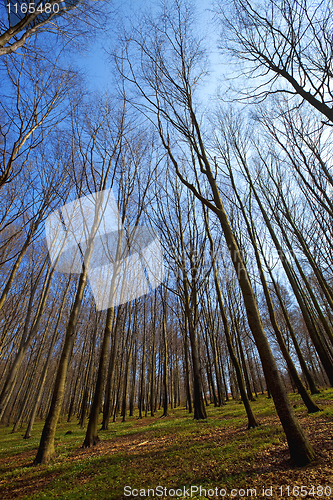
(180, 452)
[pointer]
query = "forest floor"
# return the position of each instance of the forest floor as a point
(154, 457)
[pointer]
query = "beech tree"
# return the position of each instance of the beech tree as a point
(92, 178)
(252, 422)
(242, 205)
(287, 45)
(36, 101)
(132, 190)
(176, 217)
(166, 74)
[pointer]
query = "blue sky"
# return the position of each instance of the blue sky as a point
(95, 63)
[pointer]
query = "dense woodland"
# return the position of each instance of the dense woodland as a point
(238, 188)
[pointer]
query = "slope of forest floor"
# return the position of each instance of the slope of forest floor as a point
(174, 452)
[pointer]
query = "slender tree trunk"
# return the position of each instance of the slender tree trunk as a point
(26, 338)
(309, 324)
(92, 433)
(252, 422)
(78, 377)
(88, 376)
(187, 369)
(299, 353)
(111, 370)
(126, 377)
(301, 451)
(153, 366)
(165, 365)
(133, 381)
(46, 446)
(308, 401)
(143, 361)
(26, 397)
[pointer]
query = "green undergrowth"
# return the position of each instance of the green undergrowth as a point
(174, 452)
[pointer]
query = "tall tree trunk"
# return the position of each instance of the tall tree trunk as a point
(143, 361)
(252, 422)
(46, 446)
(27, 337)
(91, 437)
(299, 353)
(111, 370)
(308, 401)
(153, 365)
(300, 448)
(26, 397)
(42, 379)
(187, 369)
(165, 364)
(309, 323)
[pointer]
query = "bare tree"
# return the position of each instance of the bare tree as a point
(287, 45)
(35, 103)
(132, 191)
(95, 179)
(164, 63)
